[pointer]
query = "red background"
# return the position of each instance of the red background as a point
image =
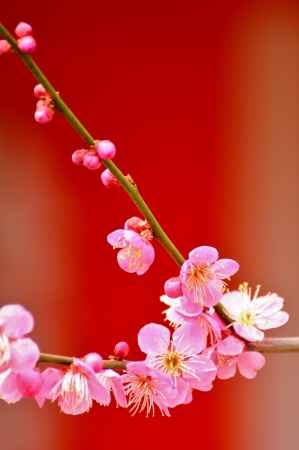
(201, 100)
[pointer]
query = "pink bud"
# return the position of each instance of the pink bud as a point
(137, 224)
(27, 44)
(4, 47)
(95, 361)
(172, 287)
(121, 350)
(23, 29)
(29, 382)
(43, 115)
(91, 161)
(39, 91)
(78, 155)
(108, 179)
(105, 149)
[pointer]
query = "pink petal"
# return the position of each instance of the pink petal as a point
(154, 338)
(50, 378)
(9, 391)
(274, 321)
(225, 268)
(189, 339)
(249, 363)
(213, 292)
(15, 321)
(234, 303)
(227, 369)
(118, 392)
(139, 368)
(203, 255)
(24, 354)
(117, 239)
(204, 370)
(248, 332)
(29, 382)
(230, 346)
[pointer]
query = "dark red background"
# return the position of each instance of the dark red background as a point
(157, 78)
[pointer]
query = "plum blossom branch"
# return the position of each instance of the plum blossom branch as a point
(129, 187)
(217, 332)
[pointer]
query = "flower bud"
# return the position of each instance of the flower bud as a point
(4, 46)
(172, 287)
(27, 44)
(39, 91)
(95, 361)
(78, 155)
(43, 115)
(108, 179)
(105, 149)
(91, 161)
(23, 29)
(121, 350)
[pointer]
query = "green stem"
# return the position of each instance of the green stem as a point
(129, 187)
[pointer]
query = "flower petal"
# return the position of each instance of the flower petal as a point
(234, 303)
(274, 321)
(225, 268)
(50, 378)
(15, 321)
(117, 239)
(227, 369)
(249, 363)
(189, 339)
(203, 255)
(24, 354)
(230, 346)
(9, 391)
(248, 332)
(153, 338)
(267, 304)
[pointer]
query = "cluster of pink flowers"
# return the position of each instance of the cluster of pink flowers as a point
(25, 40)
(200, 348)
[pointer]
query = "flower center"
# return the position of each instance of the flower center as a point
(4, 349)
(172, 363)
(247, 317)
(199, 274)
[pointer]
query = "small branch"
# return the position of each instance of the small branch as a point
(276, 345)
(268, 345)
(48, 358)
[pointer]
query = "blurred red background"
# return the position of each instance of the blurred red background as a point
(202, 102)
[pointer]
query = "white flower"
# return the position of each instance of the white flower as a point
(250, 316)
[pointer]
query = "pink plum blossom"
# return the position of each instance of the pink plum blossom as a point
(180, 312)
(136, 253)
(74, 389)
(15, 350)
(202, 275)
(146, 389)
(230, 354)
(177, 357)
(251, 316)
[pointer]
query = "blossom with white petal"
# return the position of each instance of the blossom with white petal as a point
(251, 316)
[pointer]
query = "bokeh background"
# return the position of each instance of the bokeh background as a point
(202, 100)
